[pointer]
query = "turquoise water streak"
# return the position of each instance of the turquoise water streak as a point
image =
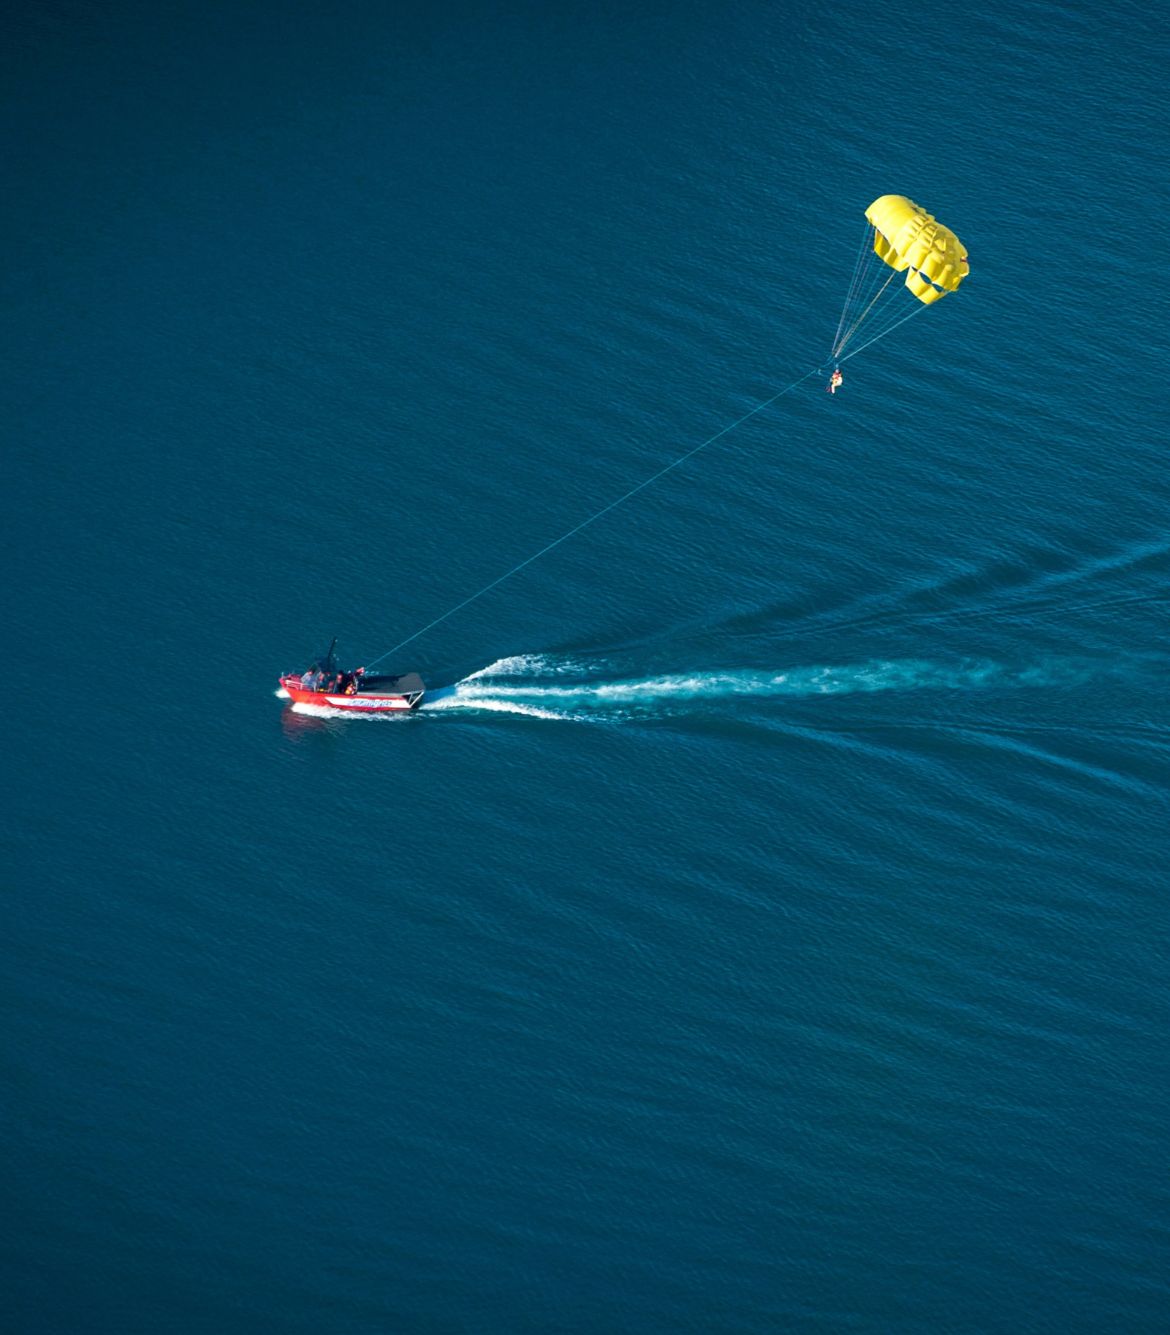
(763, 926)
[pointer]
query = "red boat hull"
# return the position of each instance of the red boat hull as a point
(360, 702)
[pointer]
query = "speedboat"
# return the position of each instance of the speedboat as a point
(327, 685)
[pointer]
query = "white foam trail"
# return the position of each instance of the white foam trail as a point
(525, 665)
(281, 694)
(502, 687)
(491, 703)
(474, 693)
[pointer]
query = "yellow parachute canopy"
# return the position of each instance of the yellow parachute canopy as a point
(907, 237)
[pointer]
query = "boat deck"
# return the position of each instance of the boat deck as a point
(383, 685)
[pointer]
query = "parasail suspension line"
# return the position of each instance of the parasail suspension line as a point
(633, 491)
(889, 329)
(856, 282)
(840, 347)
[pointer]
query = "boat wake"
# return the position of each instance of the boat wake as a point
(553, 688)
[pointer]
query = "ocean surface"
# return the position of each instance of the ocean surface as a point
(763, 927)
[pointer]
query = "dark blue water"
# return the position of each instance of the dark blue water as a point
(767, 929)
